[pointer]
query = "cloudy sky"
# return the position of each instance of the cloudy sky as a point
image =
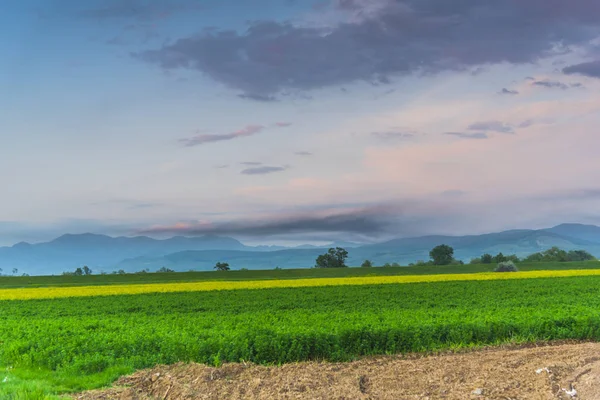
(297, 120)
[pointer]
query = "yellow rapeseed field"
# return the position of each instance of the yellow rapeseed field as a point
(109, 290)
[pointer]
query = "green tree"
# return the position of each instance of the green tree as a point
(15, 271)
(442, 255)
(487, 258)
(334, 258)
(579, 255)
(498, 258)
(87, 270)
(367, 264)
(221, 266)
(163, 270)
(78, 272)
(476, 260)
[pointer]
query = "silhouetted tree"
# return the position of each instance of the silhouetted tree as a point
(222, 266)
(442, 255)
(367, 264)
(334, 258)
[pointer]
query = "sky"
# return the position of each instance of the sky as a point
(288, 121)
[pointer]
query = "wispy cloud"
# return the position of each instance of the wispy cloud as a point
(251, 163)
(509, 92)
(393, 134)
(264, 170)
(491, 126)
(303, 153)
(197, 140)
(258, 97)
(283, 124)
(551, 84)
(467, 135)
(139, 9)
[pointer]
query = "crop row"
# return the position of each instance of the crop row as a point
(110, 290)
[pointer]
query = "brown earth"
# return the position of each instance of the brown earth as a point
(541, 372)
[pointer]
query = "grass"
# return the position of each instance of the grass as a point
(66, 345)
(123, 289)
(304, 273)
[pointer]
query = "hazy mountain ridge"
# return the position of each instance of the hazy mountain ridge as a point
(105, 253)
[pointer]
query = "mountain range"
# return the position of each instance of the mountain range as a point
(105, 253)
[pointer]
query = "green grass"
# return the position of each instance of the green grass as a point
(65, 345)
(60, 280)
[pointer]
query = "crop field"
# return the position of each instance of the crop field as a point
(69, 344)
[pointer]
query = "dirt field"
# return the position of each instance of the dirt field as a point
(559, 371)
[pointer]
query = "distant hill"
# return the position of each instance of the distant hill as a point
(105, 253)
(590, 233)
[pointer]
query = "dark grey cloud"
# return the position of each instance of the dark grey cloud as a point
(491, 126)
(303, 153)
(263, 170)
(591, 69)
(529, 78)
(468, 135)
(367, 221)
(507, 91)
(382, 40)
(551, 84)
(197, 140)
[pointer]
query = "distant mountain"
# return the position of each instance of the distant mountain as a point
(105, 253)
(71, 251)
(590, 233)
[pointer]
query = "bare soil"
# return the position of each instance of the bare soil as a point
(556, 371)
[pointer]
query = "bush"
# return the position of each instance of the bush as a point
(506, 266)
(367, 264)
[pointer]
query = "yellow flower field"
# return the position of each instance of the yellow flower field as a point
(84, 291)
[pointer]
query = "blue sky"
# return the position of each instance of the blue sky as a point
(296, 121)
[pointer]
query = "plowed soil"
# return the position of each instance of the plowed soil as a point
(557, 371)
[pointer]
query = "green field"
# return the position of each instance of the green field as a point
(65, 345)
(110, 279)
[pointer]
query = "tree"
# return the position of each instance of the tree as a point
(476, 260)
(442, 255)
(222, 266)
(15, 271)
(78, 272)
(367, 264)
(395, 265)
(163, 270)
(486, 258)
(87, 270)
(499, 258)
(580, 255)
(334, 258)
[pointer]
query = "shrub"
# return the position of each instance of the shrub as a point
(367, 264)
(506, 266)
